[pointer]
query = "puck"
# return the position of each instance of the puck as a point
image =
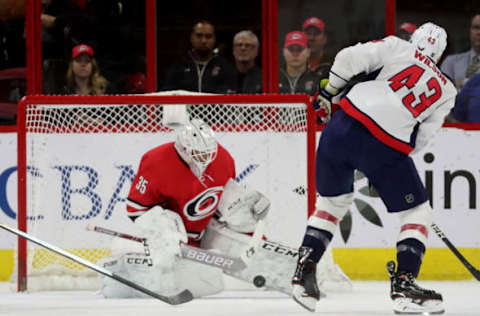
(259, 281)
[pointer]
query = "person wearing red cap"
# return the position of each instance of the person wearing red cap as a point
(83, 74)
(296, 77)
(405, 30)
(314, 28)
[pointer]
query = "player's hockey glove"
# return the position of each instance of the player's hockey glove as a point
(322, 100)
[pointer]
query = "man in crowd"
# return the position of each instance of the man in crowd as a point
(296, 77)
(318, 63)
(460, 67)
(202, 70)
(245, 52)
(467, 103)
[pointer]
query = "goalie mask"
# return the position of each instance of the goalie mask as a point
(196, 144)
(430, 40)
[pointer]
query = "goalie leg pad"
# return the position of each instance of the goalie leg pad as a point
(163, 230)
(138, 268)
(198, 278)
(273, 264)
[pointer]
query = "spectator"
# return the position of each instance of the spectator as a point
(117, 24)
(467, 103)
(12, 34)
(460, 67)
(64, 25)
(405, 30)
(296, 77)
(83, 74)
(314, 28)
(202, 70)
(245, 51)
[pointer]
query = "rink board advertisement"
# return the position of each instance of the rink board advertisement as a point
(87, 177)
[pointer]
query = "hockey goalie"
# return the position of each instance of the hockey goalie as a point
(184, 192)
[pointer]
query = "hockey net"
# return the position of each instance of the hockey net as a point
(78, 156)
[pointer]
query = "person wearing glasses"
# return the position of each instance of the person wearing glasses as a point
(245, 52)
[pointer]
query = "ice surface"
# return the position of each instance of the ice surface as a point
(367, 298)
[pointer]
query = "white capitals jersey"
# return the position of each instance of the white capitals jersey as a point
(406, 88)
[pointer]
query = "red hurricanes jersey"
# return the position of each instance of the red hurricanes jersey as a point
(164, 179)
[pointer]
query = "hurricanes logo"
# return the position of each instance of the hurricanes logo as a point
(203, 205)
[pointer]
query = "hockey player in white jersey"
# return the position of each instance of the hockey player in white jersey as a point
(381, 121)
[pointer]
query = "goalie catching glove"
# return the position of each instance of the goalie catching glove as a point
(322, 101)
(240, 208)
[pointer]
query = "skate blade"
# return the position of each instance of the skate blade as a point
(405, 306)
(307, 302)
(419, 313)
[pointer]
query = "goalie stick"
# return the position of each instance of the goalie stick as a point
(182, 297)
(203, 256)
(475, 272)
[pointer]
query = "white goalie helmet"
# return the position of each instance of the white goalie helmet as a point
(196, 144)
(430, 40)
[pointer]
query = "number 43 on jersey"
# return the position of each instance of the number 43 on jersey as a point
(409, 78)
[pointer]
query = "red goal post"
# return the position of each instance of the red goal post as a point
(59, 136)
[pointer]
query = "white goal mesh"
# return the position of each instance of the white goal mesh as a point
(81, 155)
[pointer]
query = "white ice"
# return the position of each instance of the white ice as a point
(367, 298)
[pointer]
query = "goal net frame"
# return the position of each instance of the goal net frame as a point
(133, 100)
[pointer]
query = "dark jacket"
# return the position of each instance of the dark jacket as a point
(306, 83)
(251, 82)
(219, 76)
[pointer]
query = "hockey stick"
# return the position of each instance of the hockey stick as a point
(254, 242)
(203, 256)
(182, 297)
(475, 272)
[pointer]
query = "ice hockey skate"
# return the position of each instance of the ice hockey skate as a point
(305, 288)
(409, 298)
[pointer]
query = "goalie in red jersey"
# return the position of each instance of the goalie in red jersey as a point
(186, 176)
(185, 192)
